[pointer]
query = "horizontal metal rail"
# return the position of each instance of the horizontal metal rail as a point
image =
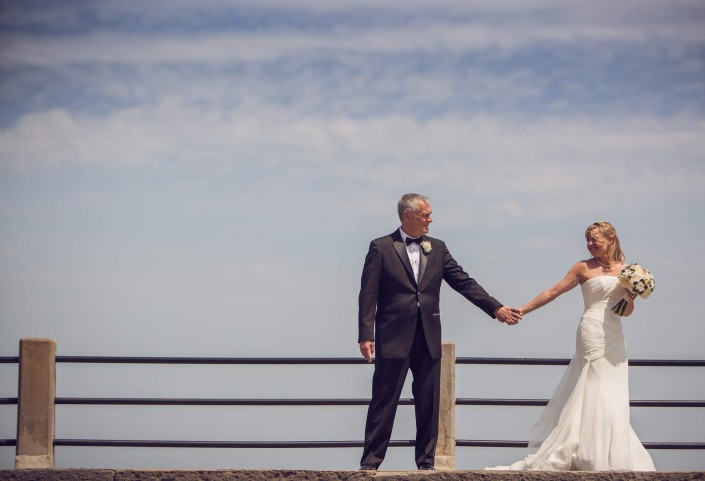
(215, 444)
(523, 444)
(351, 360)
(208, 360)
(338, 360)
(144, 443)
(661, 403)
(340, 402)
(151, 443)
(535, 361)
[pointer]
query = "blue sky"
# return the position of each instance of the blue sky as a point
(203, 178)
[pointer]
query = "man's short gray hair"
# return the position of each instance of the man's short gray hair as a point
(410, 202)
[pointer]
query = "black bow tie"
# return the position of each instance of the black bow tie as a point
(410, 241)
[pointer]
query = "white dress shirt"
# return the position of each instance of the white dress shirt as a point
(414, 253)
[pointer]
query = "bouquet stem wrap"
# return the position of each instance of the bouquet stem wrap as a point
(620, 307)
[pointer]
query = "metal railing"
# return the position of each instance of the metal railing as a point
(325, 402)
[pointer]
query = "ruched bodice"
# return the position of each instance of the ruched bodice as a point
(600, 330)
(600, 294)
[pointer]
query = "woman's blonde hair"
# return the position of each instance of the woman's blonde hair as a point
(614, 251)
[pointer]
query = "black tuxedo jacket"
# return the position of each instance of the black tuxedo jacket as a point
(390, 299)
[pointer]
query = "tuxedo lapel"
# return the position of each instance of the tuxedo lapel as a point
(422, 262)
(403, 256)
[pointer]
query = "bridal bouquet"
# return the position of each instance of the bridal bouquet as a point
(638, 280)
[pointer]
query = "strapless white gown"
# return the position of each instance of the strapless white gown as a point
(585, 426)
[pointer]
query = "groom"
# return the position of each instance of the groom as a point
(400, 324)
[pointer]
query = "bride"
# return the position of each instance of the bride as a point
(586, 426)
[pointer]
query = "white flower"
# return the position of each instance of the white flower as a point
(638, 281)
(426, 246)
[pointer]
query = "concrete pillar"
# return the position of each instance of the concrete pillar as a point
(445, 449)
(35, 404)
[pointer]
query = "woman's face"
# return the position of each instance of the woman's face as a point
(597, 243)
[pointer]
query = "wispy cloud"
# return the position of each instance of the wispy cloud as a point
(323, 60)
(549, 159)
(444, 34)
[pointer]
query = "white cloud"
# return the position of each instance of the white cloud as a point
(174, 130)
(532, 165)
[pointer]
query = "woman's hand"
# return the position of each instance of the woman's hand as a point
(630, 295)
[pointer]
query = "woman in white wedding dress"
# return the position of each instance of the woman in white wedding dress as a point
(586, 426)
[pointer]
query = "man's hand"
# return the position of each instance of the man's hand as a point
(508, 315)
(367, 348)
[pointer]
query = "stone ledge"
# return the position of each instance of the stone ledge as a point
(308, 475)
(57, 475)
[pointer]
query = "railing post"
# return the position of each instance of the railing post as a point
(445, 449)
(35, 404)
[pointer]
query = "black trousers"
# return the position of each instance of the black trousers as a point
(387, 383)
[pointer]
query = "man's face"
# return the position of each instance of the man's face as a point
(416, 222)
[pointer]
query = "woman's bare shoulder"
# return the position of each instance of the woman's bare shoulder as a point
(581, 270)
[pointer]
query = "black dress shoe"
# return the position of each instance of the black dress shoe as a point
(427, 467)
(368, 467)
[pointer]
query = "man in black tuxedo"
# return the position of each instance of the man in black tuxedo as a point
(400, 324)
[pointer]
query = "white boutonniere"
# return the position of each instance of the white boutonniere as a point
(426, 246)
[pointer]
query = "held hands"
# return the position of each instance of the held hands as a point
(367, 348)
(508, 315)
